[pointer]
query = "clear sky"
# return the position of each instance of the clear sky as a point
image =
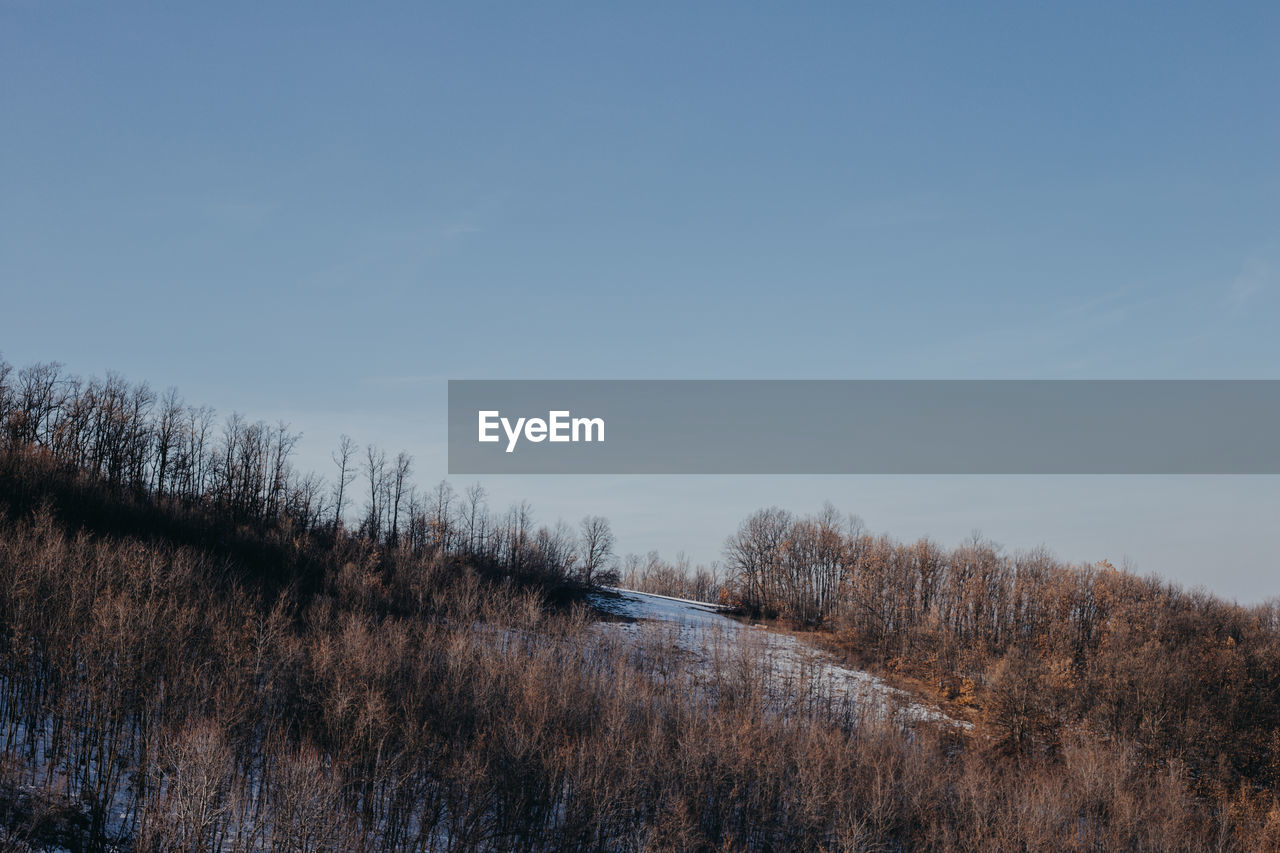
(320, 212)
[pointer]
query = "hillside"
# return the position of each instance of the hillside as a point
(202, 652)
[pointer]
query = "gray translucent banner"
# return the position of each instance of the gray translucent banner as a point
(865, 427)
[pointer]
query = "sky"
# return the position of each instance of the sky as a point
(321, 212)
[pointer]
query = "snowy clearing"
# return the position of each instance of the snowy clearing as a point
(709, 636)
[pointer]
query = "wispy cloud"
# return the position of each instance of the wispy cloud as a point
(1105, 309)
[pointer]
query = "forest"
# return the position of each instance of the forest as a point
(207, 649)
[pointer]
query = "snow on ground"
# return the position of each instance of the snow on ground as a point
(709, 636)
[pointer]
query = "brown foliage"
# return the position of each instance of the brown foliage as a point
(415, 688)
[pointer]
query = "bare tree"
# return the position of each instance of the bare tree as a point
(375, 469)
(597, 549)
(440, 523)
(167, 433)
(398, 485)
(475, 517)
(753, 555)
(346, 475)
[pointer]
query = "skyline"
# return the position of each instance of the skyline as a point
(320, 218)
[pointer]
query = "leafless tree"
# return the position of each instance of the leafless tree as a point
(375, 471)
(343, 457)
(597, 543)
(399, 484)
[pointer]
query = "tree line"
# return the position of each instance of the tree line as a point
(133, 442)
(1181, 675)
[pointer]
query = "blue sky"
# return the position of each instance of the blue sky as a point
(322, 212)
